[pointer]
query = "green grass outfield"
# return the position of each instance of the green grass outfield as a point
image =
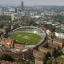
(27, 38)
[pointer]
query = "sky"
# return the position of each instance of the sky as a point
(33, 2)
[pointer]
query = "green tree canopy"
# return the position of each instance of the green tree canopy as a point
(58, 18)
(5, 17)
(49, 62)
(6, 57)
(48, 54)
(57, 53)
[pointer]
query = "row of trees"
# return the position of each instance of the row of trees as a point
(27, 20)
(58, 18)
(5, 17)
(6, 57)
(56, 53)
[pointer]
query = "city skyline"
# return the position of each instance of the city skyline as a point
(33, 2)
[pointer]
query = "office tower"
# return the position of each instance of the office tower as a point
(22, 6)
(12, 17)
(1, 11)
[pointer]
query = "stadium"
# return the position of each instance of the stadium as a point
(31, 36)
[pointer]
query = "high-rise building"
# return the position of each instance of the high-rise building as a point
(22, 6)
(12, 17)
(1, 11)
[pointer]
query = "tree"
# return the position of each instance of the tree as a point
(49, 62)
(58, 18)
(1, 25)
(48, 54)
(5, 17)
(6, 57)
(57, 53)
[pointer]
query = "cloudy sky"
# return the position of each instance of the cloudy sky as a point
(33, 2)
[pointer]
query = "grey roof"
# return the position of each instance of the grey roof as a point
(59, 30)
(4, 48)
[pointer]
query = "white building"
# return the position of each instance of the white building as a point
(12, 17)
(60, 35)
(60, 32)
